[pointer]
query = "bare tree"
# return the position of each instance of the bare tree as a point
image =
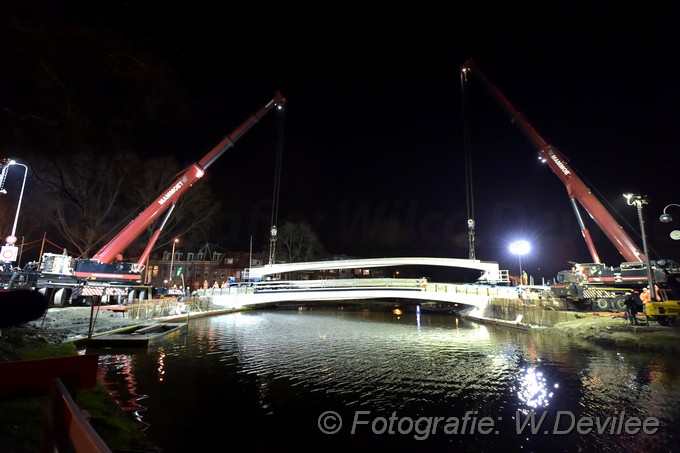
(297, 243)
(84, 194)
(81, 100)
(92, 198)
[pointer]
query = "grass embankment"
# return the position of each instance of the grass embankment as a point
(22, 419)
(616, 332)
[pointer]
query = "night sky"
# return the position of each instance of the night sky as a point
(373, 150)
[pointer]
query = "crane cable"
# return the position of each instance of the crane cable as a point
(468, 165)
(276, 193)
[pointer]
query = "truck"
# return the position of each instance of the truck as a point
(595, 285)
(64, 279)
(666, 311)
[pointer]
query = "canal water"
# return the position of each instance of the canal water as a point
(334, 379)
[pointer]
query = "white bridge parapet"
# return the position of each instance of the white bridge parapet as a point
(490, 272)
(271, 292)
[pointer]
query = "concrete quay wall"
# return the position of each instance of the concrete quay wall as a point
(530, 312)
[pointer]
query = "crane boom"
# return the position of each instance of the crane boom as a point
(179, 186)
(576, 189)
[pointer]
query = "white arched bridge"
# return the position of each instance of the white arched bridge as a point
(492, 283)
(273, 292)
(490, 271)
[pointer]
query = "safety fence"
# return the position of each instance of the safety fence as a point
(159, 308)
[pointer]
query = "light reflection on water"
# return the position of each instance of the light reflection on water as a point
(267, 376)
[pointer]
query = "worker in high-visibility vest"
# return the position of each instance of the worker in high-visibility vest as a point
(646, 296)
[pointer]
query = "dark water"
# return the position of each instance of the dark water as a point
(273, 380)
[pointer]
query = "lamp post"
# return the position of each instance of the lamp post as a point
(172, 259)
(11, 239)
(638, 201)
(667, 218)
(272, 244)
(520, 248)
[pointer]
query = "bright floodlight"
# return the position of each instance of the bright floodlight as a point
(520, 247)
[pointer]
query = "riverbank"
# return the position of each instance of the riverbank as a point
(71, 324)
(604, 329)
(53, 335)
(615, 332)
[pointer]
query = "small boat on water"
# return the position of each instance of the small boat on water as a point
(139, 336)
(440, 307)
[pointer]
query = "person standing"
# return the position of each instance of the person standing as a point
(631, 309)
(645, 296)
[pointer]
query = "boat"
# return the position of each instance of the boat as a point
(138, 336)
(440, 307)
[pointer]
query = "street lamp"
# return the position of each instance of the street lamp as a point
(11, 239)
(666, 218)
(172, 259)
(520, 248)
(638, 201)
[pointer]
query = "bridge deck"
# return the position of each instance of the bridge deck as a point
(255, 293)
(489, 270)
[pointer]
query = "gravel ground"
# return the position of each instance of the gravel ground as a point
(58, 325)
(74, 322)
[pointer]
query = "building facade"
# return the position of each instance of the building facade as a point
(215, 267)
(211, 266)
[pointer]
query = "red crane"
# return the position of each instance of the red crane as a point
(100, 265)
(576, 189)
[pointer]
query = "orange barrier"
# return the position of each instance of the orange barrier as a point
(66, 429)
(33, 377)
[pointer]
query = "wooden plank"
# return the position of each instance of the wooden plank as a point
(153, 328)
(33, 377)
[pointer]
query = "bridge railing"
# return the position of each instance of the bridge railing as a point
(305, 285)
(510, 292)
(301, 285)
(403, 284)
